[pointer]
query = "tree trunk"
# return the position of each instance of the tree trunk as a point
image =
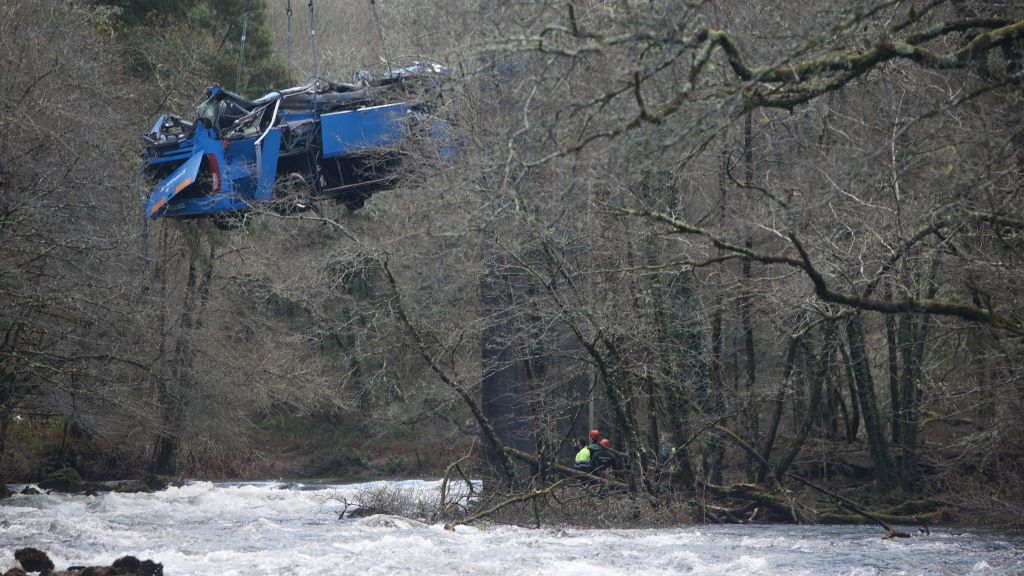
(852, 414)
(865, 388)
(175, 389)
(895, 397)
(688, 330)
(751, 422)
(913, 340)
(503, 384)
(818, 384)
(5, 423)
(780, 402)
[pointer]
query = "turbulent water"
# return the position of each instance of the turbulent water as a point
(275, 529)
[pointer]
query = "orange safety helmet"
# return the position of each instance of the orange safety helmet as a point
(594, 434)
(605, 443)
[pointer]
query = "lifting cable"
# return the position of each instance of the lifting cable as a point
(241, 48)
(380, 31)
(312, 40)
(288, 11)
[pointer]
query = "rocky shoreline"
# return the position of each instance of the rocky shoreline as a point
(67, 480)
(37, 562)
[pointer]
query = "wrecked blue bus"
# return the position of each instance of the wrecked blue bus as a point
(293, 147)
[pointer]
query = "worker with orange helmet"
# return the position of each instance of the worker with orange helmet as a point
(602, 458)
(584, 457)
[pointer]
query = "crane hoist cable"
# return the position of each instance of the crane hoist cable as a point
(312, 39)
(288, 11)
(241, 47)
(380, 31)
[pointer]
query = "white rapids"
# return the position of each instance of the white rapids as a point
(252, 529)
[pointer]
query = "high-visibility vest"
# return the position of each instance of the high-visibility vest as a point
(583, 456)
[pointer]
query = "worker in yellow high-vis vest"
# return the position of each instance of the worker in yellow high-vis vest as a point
(584, 460)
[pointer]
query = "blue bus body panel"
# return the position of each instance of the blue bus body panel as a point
(365, 129)
(165, 191)
(244, 175)
(221, 202)
(266, 163)
(176, 156)
(239, 168)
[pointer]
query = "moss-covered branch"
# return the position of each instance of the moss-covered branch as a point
(826, 293)
(799, 83)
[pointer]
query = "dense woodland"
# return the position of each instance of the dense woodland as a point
(785, 236)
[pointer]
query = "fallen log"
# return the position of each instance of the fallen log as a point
(723, 515)
(841, 500)
(852, 507)
(777, 502)
(839, 516)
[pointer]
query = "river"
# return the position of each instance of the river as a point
(275, 529)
